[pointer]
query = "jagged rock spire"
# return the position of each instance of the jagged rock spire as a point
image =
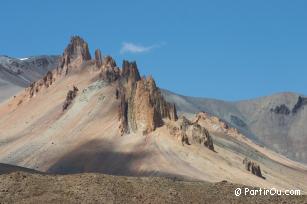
(130, 70)
(108, 62)
(142, 106)
(98, 58)
(76, 49)
(105, 62)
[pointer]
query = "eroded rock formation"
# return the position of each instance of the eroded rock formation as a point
(201, 136)
(212, 123)
(108, 62)
(142, 105)
(45, 82)
(70, 97)
(189, 132)
(217, 126)
(98, 58)
(109, 71)
(77, 49)
(253, 167)
(301, 101)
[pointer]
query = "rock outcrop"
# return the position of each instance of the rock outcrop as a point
(253, 167)
(45, 82)
(190, 132)
(98, 58)
(108, 62)
(212, 123)
(281, 109)
(77, 49)
(70, 97)
(179, 129)
(301, 101)
(142, 105)
(109, 71)
(201, 136)
(217, 126)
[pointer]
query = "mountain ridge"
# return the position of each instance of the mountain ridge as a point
(89, 115)
(16, 74)
(253, 116)
(194, 104)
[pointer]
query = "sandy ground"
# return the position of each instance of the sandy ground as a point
(37, 134)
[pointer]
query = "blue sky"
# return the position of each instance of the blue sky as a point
(219, 49)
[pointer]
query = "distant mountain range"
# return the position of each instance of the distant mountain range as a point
(277, 121)
(16, 74)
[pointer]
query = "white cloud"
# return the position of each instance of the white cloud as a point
(136, 48)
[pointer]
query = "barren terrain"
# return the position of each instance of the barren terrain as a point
(89, 135)
(21, 187)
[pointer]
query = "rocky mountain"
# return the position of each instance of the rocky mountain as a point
(89, 115)
(16, 74)
(277, 121)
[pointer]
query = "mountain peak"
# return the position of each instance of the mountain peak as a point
(77, 52)
(78, 47)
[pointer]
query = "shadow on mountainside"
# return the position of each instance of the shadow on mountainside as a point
(8, 168)
(100, 156)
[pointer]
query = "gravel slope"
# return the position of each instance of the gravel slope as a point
(21, 187)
